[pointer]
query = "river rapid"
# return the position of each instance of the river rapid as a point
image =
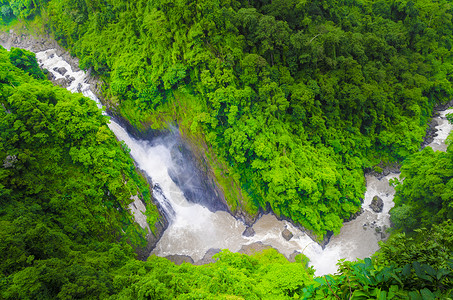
(193, 229)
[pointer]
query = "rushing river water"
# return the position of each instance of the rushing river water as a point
(194, 229)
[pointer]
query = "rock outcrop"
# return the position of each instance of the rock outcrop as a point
(207, 258)
(179, 259)
(287, 235)
(377, 204)
(248, 232)
(253, 248)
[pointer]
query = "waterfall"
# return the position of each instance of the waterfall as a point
(194, 229)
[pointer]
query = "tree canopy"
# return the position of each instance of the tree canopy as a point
(296, 98)
(65, 187)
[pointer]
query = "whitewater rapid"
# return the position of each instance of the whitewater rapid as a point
(193, 229)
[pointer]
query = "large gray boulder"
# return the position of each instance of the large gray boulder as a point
(287, 235)
(207, 258)
(179, 259)
(248, 232)
(62, 82)
(61, 70)
(377, 204)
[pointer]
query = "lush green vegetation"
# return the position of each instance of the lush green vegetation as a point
(297, 97)
(426, 198)
(65, 186)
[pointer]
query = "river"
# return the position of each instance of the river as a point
(194, 229)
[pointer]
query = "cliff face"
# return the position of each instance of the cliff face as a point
(215, 176)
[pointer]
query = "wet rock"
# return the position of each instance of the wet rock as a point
(61, 70)
(248, 232)
(62, 82)
(253, 248)
(179, 259)
(287, 235)
(192, 177)
(70, 79)
(381, 170)
(431, 131)
(79, 87)
(354, 216)
(50, 76)
(292, 256)
(207, 258)
(377, 204)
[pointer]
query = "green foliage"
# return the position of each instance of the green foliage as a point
(425, 196)
(265, 275)
(24, 9)
(404, 268)
(26, 60)
(296, 97)
(65, 187)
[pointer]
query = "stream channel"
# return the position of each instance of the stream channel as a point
(193, 229)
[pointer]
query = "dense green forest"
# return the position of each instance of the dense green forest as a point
(65, 184)
(295, 98)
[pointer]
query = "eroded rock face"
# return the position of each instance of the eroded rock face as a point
(253, 248)
(207, 258)
(179, 259)
(248, 232)
(61, 70)
(287, 235)
(62, 82)
(377, 204)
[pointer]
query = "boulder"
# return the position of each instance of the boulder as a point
(179, 259)
(248, 232)
(292, 256)
(62, 82)
(287, 235)
(207, 258)
(253, 248)
(61, 70)
(354, 216)
(50, 76)
(377, 204)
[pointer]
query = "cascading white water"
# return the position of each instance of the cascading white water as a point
(443, 130)
(194, 229)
